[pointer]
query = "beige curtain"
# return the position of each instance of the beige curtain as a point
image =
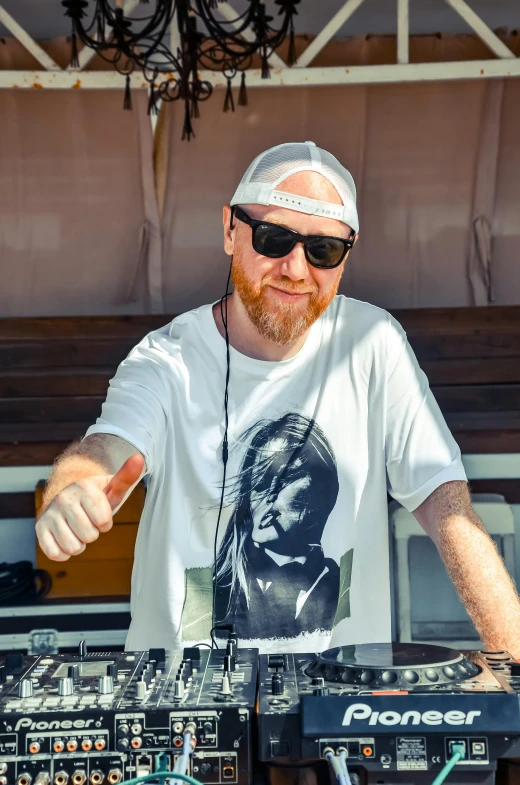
(79, 224)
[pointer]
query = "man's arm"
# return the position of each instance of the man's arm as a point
(98, 454)
(473, 564)
(88, 484)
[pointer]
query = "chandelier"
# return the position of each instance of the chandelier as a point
(204, 42)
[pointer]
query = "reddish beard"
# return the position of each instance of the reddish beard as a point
(285, 322)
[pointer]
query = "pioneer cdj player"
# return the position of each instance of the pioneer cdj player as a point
(101, 718)
(393, 712)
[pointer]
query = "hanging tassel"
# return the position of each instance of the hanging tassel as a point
(228, 101)
(187, 131)
(152, 106)
(242, 93)
(74, 61)
(291, 54)
(265, 65)
(127, 103)
(194, 108)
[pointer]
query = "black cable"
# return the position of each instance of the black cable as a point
(20, 583)
(225, 451)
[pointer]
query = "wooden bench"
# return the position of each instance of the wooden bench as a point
(55, 373)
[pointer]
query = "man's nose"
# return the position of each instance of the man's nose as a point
(294, 264)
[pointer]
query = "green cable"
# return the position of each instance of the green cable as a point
(458, 754)
(162, 775)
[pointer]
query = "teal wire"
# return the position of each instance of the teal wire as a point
(443, 773)
(162, 776)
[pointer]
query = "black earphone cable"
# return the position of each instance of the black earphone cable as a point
(225, 452)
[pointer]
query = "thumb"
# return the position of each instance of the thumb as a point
(121, 482)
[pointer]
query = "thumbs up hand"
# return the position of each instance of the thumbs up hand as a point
(84, 509)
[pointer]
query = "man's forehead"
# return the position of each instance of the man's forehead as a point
(300, 222)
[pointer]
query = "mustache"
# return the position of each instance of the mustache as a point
(294, 287)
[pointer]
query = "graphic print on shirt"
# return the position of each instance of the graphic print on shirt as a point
(273, 578)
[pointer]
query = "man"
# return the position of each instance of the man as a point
(295, 348)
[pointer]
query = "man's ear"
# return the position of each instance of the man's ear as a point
(228, 231)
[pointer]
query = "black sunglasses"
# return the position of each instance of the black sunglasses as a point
(275, 241)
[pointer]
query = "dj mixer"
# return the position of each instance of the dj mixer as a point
(383, 713)
(105, 717)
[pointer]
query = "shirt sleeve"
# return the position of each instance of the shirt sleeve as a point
(134, 408)
(421, 453)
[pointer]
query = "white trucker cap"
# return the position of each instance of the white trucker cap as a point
(258, 185)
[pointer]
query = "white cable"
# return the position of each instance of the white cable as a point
(344, 769)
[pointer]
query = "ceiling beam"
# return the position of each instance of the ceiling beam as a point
(481, 29)
(26, 41)
(403, 31)
(280, 77)
(330, 29)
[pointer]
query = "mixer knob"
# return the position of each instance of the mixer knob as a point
(105, 685)
(226, 685)
(25, 688)
(187, 668)
(229, 663)
(73, 672)
(277, 685)
(66, 686)
(82, 650)
(276, 661)
(112, 669)
(178, 687)
(141, 689)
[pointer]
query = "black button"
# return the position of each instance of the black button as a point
(280, 749)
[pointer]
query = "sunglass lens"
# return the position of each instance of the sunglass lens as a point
(272, 240)
(325, 251)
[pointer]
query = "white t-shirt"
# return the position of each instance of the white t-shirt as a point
(315, 442)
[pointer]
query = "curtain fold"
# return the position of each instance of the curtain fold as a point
(479, 260)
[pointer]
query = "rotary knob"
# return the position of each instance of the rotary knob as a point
(229, 663)
(73, 672)
(66, 686)
(82, 650)
(25, 688)
(105, 685)
(178, 687)
(277, 685)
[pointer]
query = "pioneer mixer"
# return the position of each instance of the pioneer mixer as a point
(97, 718)
(393, 712)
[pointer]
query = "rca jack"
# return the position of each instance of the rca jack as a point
(137, 742)
(96, 777)
(3, 767)
(115, 776)
(58, 746)
(100, 744)
(24, 779)
(178, 727)
(178, 741)
(86, 745)
(79, 777)
(3, 780)
(136, 729)
(61, 778)
(72, 745)
(368, 752)
(34, 747)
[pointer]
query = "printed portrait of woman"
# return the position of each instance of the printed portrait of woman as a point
(273, 579)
